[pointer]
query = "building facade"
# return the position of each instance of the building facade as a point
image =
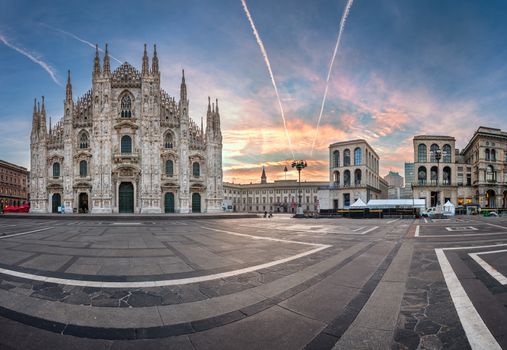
(280, 196)
(477, 174)
(13, 184)
(394, 179)
(409, 174)
(126, 146)
(353, 173)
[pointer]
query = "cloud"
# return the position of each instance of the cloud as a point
(50, 70)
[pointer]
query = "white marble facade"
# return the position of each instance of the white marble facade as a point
(126, 146)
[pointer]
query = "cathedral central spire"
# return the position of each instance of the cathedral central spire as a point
(68, 88)
(183, 87)
(107, 65)
(96, 62)
(146, 67)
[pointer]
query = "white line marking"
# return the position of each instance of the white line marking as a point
(371, 229)
(490, 269)
(461, 228)
(126, 223)
(417, 231)
(161, 283)
(425, 220)
(477, 332)
(467, 235)
(358, 229)
(477, 247)
(7, 225)
(505, 228)
(25, 233)
(391, 221)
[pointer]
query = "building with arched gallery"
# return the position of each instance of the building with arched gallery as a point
(126, 146)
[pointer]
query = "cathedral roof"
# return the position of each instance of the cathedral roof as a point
(126, 76)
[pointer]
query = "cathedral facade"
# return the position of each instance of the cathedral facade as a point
(126, 146)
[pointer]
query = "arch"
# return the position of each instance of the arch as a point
(487, 154)
(493, 155)
(84, 141)
(168, 140)
(422, 153)
(56, 169)
(126, 106)
(490, 173)
(434, 175)
(490, 197)
(357, 177)
(83, 168)
(336, 159)
(126, 198)
(196, 169)
(357, 156)
(169, 202)
(83, 202)
(422, 175)
(169, 167)
(196, 203)
(446, 175)
(433, 152)
(56, 202)
(126, 144)
(336, 178)
(447, 153)
(346, 157)
(346, 178)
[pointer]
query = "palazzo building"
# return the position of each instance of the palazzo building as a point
(477, 174)
(13, 184)
(126, 146)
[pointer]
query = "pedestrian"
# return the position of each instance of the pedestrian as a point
(265, 213)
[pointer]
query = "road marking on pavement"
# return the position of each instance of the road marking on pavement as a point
(371, 229)
(477, 332)
(180, 281)
(391, 221)
(505, 228)
(417, 231)
(461, 228)
(490, 269)
(425, 220)
(358, 229)
(126, 223)
(24, 233)
(466, 235)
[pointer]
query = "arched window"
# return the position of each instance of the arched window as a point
(83, 168)
(447, 154)
(56, 169)
(433, 152)
(493, 155)
(126, 144)
(126, 107)
(336, 178)
(336, 159)
(357, 156)
(169, 167)
(83, 140)
(421, 175)
(487, 154)
(446, 174)
(422, 153)
(346, 157)
(434, 175)
(357, 177)
(346, 178)
(196, 169)
(168, 140)
(490, 173)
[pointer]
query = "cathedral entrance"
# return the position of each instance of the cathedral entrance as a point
(196, 203)
(83, 203)
(169, 202)
(56, 202)
(126, 198)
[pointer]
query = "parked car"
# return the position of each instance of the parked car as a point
(429, 212)
(23, 208)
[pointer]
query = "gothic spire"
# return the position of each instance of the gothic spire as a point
(68, 89)
(146, 66)
(154, 62)
(96, 62)
(183, 88)
(263, 176)
(107, 65)
(217, 117)
(43, 117)
(35, 117)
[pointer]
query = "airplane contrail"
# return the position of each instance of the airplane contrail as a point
(340, 32)
(72, 35)
(50, 70)
(268, 65)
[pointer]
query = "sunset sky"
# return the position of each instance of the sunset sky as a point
(404, 68)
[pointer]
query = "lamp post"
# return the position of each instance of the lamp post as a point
(299, 165)
(438, 156)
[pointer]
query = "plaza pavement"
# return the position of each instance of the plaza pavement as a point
(144, 282)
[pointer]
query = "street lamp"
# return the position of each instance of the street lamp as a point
(438, 156)
(299, 165)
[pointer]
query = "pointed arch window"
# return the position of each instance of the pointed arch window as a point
(56, 169)
(196, 169)
(126, 107)
(83, 140)
(169, 167)
(168, 141)
(126, 144)
(83, 168)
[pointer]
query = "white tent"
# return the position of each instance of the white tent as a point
(396, 203)
(358, 204)
(449, 208)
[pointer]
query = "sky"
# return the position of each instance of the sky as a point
(403, 68)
